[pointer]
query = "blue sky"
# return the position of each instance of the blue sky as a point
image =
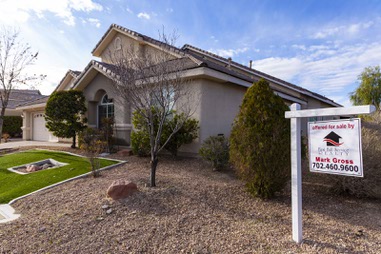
(320, 45)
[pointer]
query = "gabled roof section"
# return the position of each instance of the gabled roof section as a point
(64, 81)
(90, 72)
(110, 70)
(141, 38)
(226, 62)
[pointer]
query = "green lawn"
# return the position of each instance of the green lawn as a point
(13, 185)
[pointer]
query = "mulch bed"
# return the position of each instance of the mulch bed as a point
(193, 210)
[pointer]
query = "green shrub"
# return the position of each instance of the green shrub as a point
(260, 141)
(215, 150)
(12, 125)
(185, 135)
(140, 143)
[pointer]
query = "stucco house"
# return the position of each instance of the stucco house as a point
(220, 82)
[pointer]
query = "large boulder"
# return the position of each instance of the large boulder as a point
(121, 189)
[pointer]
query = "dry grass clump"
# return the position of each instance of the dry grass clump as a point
(369, 185)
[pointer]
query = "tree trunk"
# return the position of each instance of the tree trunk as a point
(2, 113)
(73, 144)
(154, 162)
(1, 128)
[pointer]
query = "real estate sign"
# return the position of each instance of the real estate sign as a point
(335, 147)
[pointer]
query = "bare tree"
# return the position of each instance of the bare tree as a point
(15, 56)
(153, 84)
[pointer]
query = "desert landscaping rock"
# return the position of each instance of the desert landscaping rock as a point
(192, 210)
(120, 189)
(32, 168)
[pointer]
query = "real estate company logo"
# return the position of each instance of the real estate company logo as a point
(332, 139)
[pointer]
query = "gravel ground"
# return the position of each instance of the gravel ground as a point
(193, 210)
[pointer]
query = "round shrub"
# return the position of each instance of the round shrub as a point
(260, 141)
(215, 150)
(140, 141)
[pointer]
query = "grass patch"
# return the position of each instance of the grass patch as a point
(14, 185)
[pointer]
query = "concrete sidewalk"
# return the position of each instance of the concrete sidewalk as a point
(16, 143)
(7, 213)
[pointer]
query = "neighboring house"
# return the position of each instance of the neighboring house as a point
(18, 97)
(220, 82)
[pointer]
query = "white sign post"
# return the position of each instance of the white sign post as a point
(296, 178)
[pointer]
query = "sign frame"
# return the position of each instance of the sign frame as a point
(295, 115)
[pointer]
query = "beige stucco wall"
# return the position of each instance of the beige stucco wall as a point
(131, 46)
(219, 105)
(94, 92)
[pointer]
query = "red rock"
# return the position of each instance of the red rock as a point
(121, 189)
(125, 152)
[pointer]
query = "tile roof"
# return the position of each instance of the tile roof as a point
(41, 100)
(21, 96)
(191, 49)
(110, 69)
(75, 73)
(190, 52)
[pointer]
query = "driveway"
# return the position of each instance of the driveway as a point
(15, 143)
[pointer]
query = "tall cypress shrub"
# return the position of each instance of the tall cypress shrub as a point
(260, 141)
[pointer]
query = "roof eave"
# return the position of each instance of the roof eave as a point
(31, 107)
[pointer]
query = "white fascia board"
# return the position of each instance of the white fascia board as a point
(367, 109)
(31, 107)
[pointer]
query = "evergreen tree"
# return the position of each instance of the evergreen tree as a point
(64, 114)
(369, 91)
(260, 141)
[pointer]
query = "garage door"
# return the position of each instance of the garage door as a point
(40, 133)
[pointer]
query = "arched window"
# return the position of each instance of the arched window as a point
(105, 109)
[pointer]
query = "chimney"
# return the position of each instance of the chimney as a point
(230, 62)
(251, 64)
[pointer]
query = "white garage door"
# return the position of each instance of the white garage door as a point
(40, 133)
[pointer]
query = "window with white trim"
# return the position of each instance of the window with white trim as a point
(105, 109)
